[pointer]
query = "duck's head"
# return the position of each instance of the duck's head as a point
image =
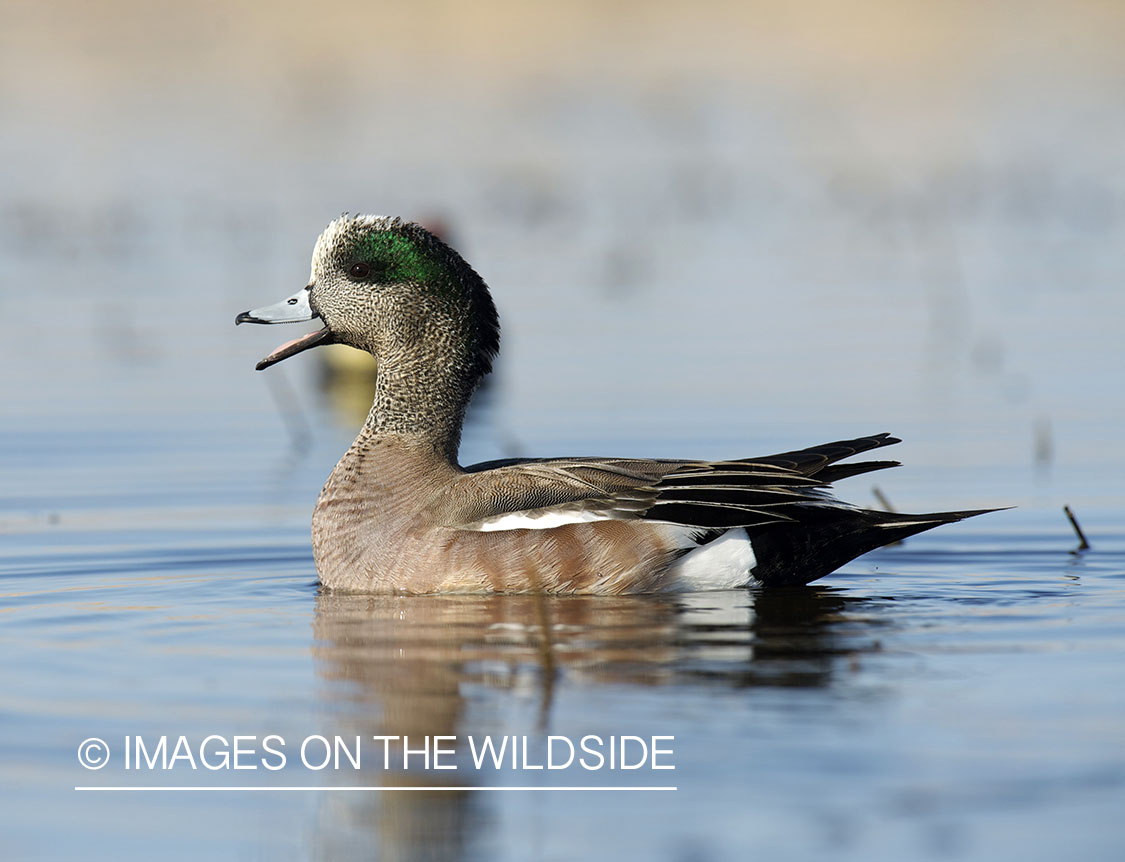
(394, 289)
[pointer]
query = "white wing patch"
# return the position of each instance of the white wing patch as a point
(722, 564)
(546, 520)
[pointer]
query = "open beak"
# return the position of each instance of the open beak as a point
(292, 310)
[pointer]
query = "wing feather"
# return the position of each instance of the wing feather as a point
(704, 494)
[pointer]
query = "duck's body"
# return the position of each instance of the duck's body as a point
(398, 514)
(390, 524)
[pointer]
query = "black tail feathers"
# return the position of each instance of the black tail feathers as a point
(825, 538)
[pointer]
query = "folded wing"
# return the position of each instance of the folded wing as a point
(710, 495)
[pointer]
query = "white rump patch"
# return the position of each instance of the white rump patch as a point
(722, 564)
(546, 520)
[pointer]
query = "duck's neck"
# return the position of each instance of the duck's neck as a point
(421, 400)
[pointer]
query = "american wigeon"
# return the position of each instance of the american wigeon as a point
(398, 514)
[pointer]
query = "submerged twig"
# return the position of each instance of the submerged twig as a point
(881, 498)
(1044, 444)
(1082, 543)
(289, 407)
(545, 647)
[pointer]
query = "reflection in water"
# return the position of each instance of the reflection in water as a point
(420, 666)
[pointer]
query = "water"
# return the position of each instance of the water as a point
(817, 232)
(946, 698)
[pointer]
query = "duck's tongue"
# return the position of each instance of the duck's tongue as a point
(312, 339)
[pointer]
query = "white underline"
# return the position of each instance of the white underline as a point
(445, 788)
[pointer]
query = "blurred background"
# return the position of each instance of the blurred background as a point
(712, 229)
(735, 225)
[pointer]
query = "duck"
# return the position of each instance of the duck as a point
(399, 514)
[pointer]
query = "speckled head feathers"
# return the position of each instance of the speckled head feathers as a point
(344, 233)
(358, 257)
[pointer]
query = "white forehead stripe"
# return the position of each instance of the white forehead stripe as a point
(342, 226)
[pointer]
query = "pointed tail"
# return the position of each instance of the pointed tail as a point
(825, 538)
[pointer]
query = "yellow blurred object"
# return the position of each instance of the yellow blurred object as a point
(347, 377)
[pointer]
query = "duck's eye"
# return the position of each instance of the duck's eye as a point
(359, 270)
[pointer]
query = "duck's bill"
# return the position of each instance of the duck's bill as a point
(292, 310)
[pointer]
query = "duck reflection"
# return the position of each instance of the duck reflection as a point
(426, 666)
